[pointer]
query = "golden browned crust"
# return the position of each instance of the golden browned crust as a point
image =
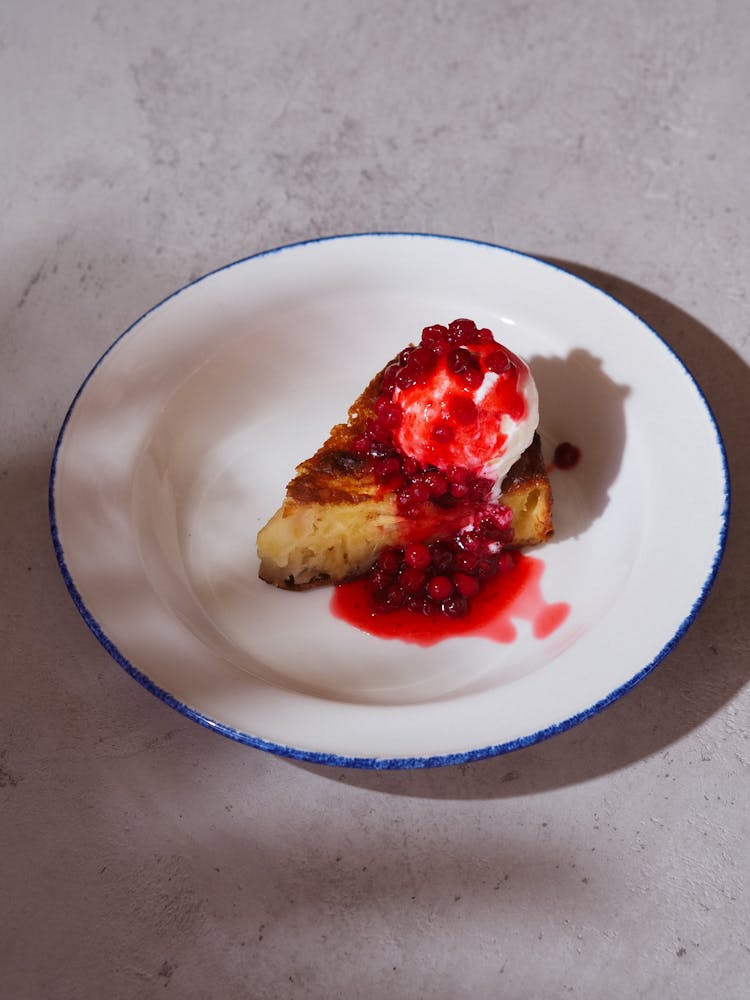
(335, 474)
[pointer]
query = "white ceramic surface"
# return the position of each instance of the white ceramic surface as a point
(180, 442)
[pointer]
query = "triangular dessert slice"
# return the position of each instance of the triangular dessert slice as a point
(441, 444)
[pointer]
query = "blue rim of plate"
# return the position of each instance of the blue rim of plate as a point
(387, 763)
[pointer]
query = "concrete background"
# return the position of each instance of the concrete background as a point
(145, 144)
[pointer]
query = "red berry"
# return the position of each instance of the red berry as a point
(388, 413)
(420, 605)
(423, 360)
(387, 468)
(406, 378)
(434, 335)
(472, 378)
(462, 331)
(456, 606)
(420, 492)
(460, 359)
(566, 455)
(389, 561)
(404, 497)
(394, 598)
(466, 562)
(480, 488)
(388, 382)
(462, 408)
(487, 567)
(439, 588)
(411, 580)
(470, 541)
(466, 585)
(496, 515)
(436, 483)
(442, 557)
(417, 555)
(497, 362)
(380, 581)
(413, 494)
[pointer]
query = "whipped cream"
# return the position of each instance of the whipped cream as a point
(483, 426)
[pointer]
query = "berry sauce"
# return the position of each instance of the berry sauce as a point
(510, 595)
(437, 419)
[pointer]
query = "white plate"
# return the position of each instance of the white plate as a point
(179, 444)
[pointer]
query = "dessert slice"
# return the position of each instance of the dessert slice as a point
(442, 444)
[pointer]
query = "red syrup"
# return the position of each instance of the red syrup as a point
(511, 595)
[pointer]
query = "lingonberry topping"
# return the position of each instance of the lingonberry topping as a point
(462, 331)
(460, 359)
(466, 562)
(436, 339)
(394, 598)
(497, 516)
(388, 413)
(497, 362)
(440, 576)
(387, 469)
(455, 606)
(407, 377)
(462, 409)
(439, 588)
(380, 581)
(421, 605)
(417, 556)
(472, 378)
(436, 483)
(379, 449)
(487, 567)
(423, 360)
(465, 584)
(480, 488)
(566, 456)
(388, 383)
(389, 561)
(411, 580)
(442, 556)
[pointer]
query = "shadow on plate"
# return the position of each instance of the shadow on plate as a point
(581, 404)
(699, 677)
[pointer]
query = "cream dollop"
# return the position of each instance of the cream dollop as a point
(483, 424)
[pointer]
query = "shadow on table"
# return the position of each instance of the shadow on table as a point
(700, 676)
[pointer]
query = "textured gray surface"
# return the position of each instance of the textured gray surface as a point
(147, 143)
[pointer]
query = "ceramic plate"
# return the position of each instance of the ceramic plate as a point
(180, 442)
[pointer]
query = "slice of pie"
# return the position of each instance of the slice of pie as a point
(442, 444)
